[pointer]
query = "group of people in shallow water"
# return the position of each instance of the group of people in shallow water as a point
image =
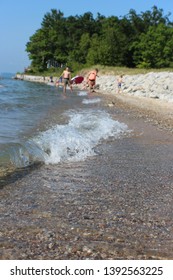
(66, 80)
(89, 82)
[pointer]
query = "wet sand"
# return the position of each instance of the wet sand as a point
(116, 205)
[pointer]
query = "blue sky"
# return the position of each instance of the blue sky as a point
(19, 19)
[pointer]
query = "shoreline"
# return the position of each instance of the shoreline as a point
(116, 205)
(151, 91)
(153, 110)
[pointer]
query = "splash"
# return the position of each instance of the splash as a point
(76, 140)
(91, 101)
(82, 93)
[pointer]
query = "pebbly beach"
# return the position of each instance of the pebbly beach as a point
(116, 204)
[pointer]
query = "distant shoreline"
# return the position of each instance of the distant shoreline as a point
(155, 85)
(152, 91)
(115, 205)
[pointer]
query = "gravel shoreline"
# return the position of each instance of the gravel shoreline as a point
(152, 110)
(116, 205)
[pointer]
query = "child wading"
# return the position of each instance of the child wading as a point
(120, 81)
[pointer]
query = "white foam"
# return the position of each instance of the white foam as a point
(82, 93)
(91, 101)
(76, 140)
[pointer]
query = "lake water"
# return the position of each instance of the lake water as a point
(38, 123)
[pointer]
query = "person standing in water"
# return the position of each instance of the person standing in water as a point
(120, 81)
(92, 79)
(66, 75)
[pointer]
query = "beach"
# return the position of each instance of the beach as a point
(116, 204)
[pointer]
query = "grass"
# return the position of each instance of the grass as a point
(104, 70)
(108, 70)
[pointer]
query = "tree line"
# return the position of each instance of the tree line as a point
(142, 40)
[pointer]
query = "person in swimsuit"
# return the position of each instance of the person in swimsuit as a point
(120, 81)
(92, 79)
(66, 75)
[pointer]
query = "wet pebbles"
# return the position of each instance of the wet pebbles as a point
(116, 205)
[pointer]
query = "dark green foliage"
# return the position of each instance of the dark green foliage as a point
(155, 48)
(144, 40)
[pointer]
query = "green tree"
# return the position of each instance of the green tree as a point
(37, 49)
(113, 47)
(154, 18)
(93, 54)
(53, 25)
(48, 42)
(84, 45)
(155, 48)
(136, 39)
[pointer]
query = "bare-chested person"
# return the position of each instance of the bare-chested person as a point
(92, 79)
(120, 81)
(66, 75)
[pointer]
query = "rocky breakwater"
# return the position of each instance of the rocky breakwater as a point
(32, 78)
(149, 95)
(152, 85)
(156, 85)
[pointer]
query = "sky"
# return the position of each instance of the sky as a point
(19, 20)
